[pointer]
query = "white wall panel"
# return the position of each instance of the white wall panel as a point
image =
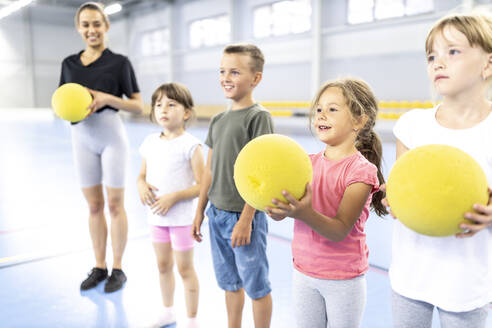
(388, 54)
(202, 60)
(46, 79)
(118, 37)
(15, 73)
(203, 9)
(293, 51)
(380, 41)
(153, 65)
(16, 85)
(13, 38)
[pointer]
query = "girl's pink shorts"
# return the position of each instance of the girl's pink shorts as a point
(179, 237)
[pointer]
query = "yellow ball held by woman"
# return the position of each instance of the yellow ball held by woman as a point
(431, 187)
(269, 164)
(70, 102)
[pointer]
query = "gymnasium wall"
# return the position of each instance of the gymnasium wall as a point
(388, 54)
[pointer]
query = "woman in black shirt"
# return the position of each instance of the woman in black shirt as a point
(100, 144)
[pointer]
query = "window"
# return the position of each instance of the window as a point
(282, 18)
(210, 31)
(156, 42)
(415, 7)
(389, 8)
(362, 11)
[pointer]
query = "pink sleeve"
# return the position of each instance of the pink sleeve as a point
(365, 172)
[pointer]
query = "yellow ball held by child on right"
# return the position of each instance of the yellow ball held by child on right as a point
(269, 164)
(431, 187)
(71, 101)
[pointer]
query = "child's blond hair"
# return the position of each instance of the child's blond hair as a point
(477, 27)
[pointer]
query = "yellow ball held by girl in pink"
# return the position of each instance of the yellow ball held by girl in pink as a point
(269, 164)
(71, 101)
(431, 187)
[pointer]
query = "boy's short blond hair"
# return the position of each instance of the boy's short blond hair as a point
(257, 58)
(477, 27)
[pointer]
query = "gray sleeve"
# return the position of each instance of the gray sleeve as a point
(261, 124)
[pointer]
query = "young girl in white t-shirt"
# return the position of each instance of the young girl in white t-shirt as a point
(168, 184)
(453, 274)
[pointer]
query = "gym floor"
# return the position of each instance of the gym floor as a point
(45, 249)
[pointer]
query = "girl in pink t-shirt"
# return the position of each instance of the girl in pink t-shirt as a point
(329, 247)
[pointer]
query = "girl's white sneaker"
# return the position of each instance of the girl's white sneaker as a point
(164, 319)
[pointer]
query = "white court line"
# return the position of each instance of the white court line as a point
(9, 261)
(27, 114)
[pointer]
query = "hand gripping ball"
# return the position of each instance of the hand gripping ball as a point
(430, 188)
(70, 102)
(269, 164)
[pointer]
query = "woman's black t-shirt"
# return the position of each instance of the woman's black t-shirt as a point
(110, 73)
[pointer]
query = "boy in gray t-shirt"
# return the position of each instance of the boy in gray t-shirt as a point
(237, 231)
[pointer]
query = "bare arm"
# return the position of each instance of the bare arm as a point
(145, 190)
(400, 150)
(334, 229)
(481, 218)
(241, 234)
(205, 183)
(134, 104)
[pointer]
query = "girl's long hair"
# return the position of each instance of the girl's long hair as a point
(361, 101)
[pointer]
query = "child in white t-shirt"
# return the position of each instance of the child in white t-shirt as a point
(452, 274)
(168, 184)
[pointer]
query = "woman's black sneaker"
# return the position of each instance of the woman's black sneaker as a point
(95, 277)
(115, 281)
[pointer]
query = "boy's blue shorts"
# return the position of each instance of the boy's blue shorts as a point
(240, 267)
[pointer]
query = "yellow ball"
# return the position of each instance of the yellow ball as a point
(269, 164)
(431, 187)
(70, 102)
